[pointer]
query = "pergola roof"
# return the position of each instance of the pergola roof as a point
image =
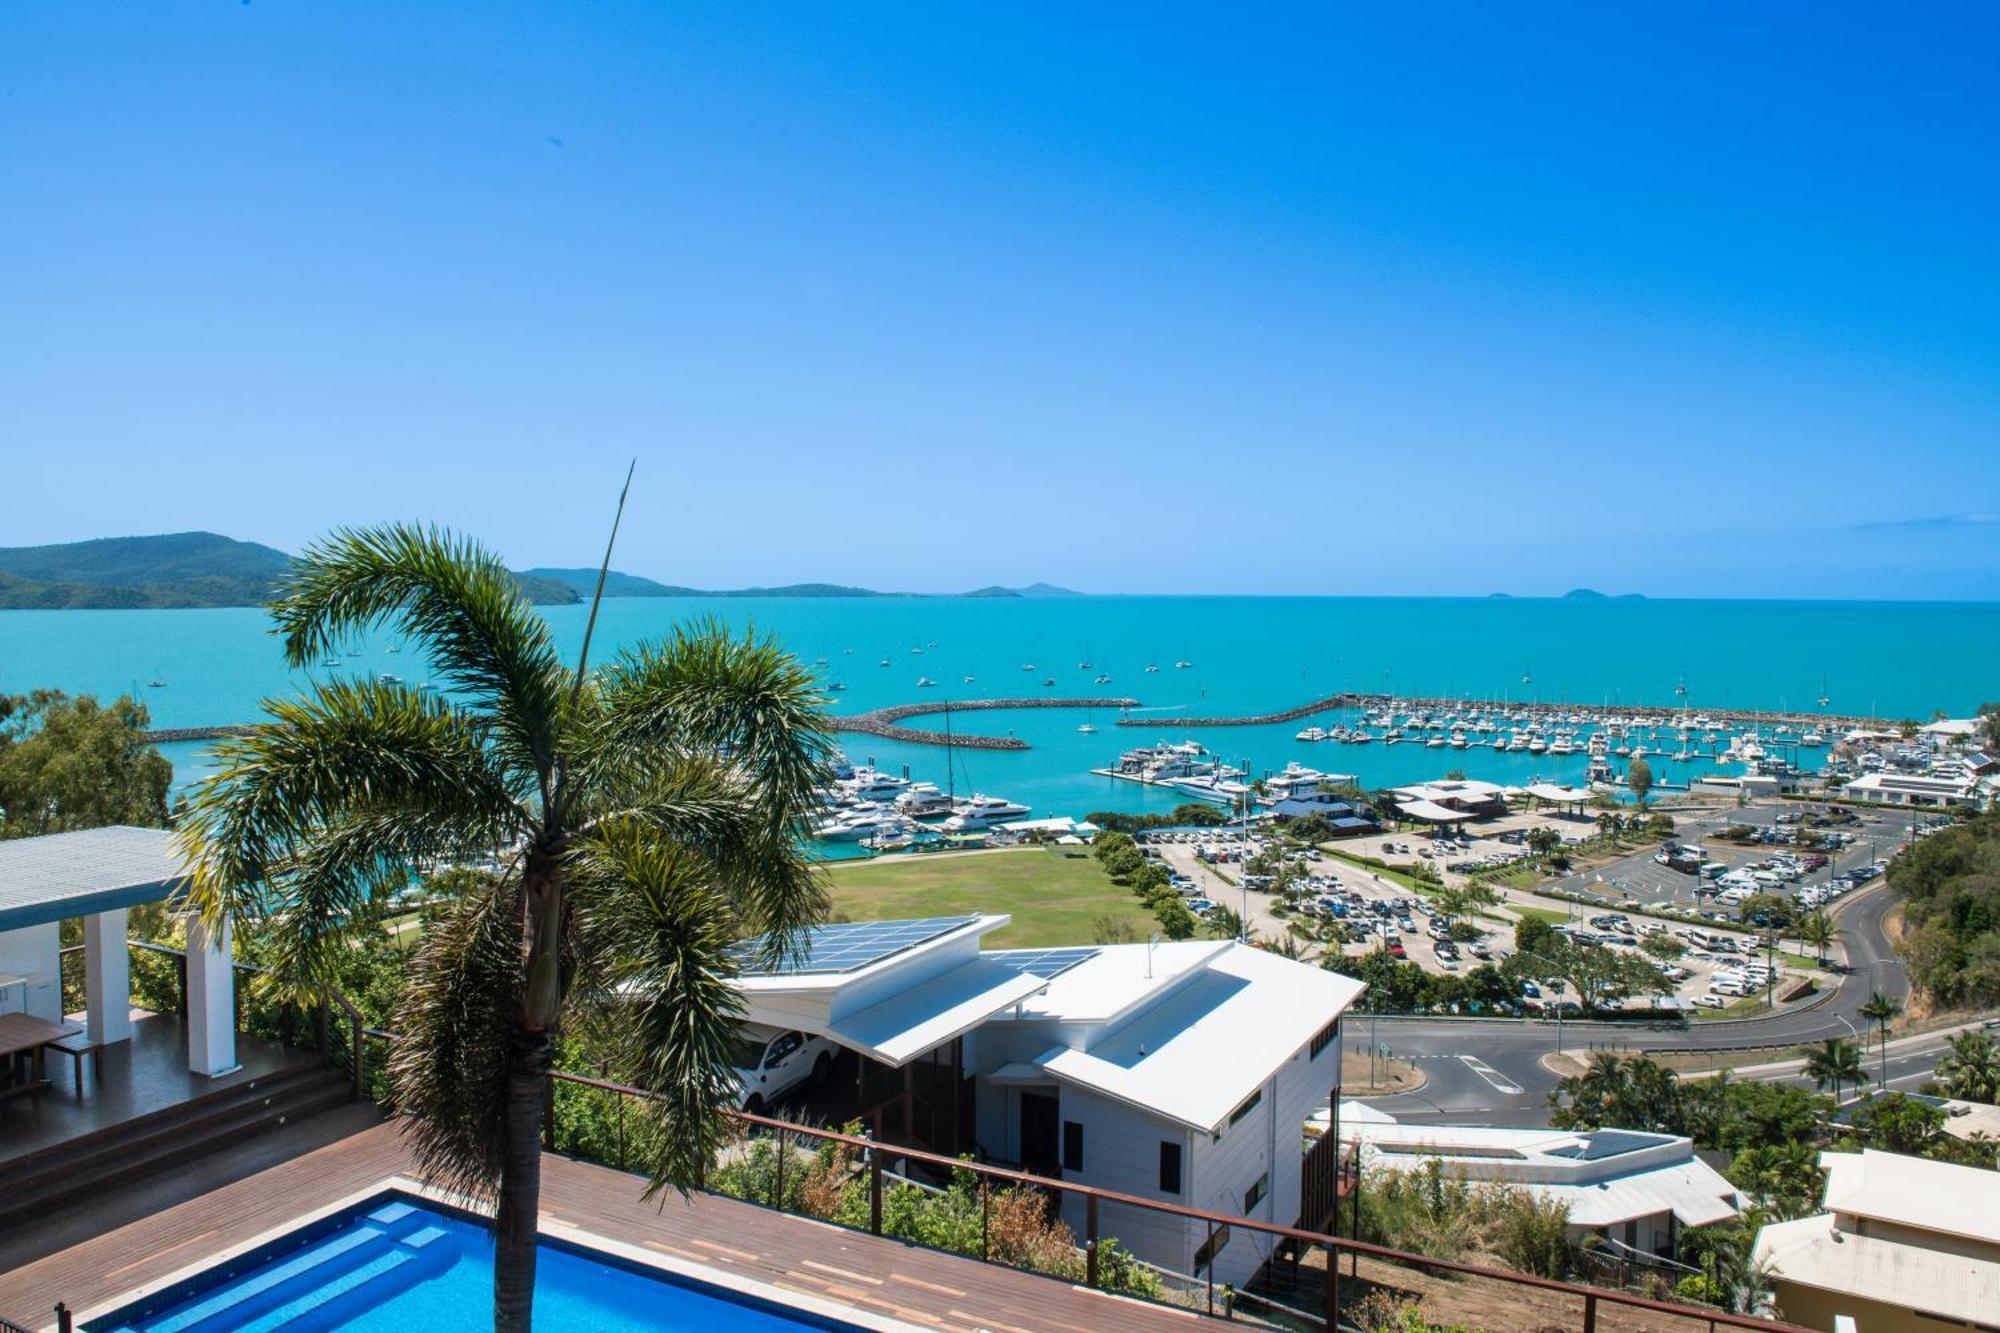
(1433, 813)
(61, 875)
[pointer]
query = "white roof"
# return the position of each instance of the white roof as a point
(1915, 1192)
(1811, 1253)
(1193, 1054)
(1549, 791)
(1452, 789)
(1605, 1176)
(1951, 726)
(1117, 979)
(1057, 824)
(919, 1019)
(1433, 812)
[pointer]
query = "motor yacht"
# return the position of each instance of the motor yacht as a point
(870, 784)
(1311, 734)
(923, 800)
(979, 812)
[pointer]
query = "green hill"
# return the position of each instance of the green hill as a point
(175, 569)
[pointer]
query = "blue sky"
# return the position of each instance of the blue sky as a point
(1689, 300)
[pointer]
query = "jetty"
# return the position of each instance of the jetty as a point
(884, 722)
(1721, 716)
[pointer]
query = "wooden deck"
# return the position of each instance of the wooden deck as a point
(868, 1273)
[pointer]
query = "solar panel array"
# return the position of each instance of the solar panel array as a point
(1605, 1143)
(849, 946)
(1043, 963)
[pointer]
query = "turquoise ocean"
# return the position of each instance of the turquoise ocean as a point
(1249, 655)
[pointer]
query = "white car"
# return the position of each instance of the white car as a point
(770, 1062)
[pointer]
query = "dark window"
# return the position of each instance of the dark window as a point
(1211, 1247)
(1249, 1105)
(1324, 1038)
(1072, 1146)
(1170, 1168)
(1255, 1194)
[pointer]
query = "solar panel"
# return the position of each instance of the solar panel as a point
(849, 946)
(1607, 1143)
(1043, 963)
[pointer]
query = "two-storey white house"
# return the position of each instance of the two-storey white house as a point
(1178, 1072)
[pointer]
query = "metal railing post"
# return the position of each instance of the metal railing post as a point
(63, 1318)
(1332, 1289)
(1208, 1269)
(181, 970)
(360, 1076)
(1090, 1240)
(619, 1116)
(985, 1219)
(1589, 1313)
(778, 1188)
(875, 1190)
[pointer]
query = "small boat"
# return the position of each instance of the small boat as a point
(331, 662)
(885, 661)
(1088, 729)
(156, 684)
(1151, 668)
(1311, 734)
(838, 685)
(1027, 666)
(819, 661)
(969, 679)
(1103, 680)
(918, 651)
(1083, 666)
(925, 682)
(390, 678)
(1050, 681)
(1183, 665)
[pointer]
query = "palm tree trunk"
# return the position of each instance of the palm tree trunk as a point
(515, 1228)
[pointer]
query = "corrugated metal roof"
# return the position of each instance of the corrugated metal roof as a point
(62, 875)
(1812, 1253)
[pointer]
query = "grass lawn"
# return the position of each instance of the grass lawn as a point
(1053, 894)
(1397, 877)
(1548, 914)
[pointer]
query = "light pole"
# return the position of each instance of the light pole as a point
(1558, 987)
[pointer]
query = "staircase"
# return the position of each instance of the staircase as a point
(35, 1184)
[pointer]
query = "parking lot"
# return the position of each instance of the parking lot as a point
(1722, 962)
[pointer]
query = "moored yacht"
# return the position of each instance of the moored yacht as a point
(979, 812)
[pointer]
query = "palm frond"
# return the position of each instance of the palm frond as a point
(707, 690)
(658, 917)
(449, 1072)
(350, 759)
(455, 599)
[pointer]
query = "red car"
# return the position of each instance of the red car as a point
(1396, 949)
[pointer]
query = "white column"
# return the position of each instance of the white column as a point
(107, 978)
(211, 1000)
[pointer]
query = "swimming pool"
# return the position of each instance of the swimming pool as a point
(398, 1262)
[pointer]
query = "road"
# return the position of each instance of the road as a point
(1489, 1072)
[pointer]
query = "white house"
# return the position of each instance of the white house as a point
(1905, 1244)
(1912, 789)
(1637, 1190)
(1182, 1072)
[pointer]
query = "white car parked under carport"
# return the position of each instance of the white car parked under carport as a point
(770, 1062)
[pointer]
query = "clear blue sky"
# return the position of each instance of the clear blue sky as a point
(1685, 299)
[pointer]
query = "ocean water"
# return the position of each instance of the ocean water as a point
(1249, 655)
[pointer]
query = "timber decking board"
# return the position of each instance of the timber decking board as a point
(871, 1273)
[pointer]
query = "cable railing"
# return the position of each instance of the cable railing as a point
(1012, 1217)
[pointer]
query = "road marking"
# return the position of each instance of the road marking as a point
(1493, 1077)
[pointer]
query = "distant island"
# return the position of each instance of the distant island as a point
(1593, 595)
(191, 569)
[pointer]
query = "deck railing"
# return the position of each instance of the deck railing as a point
(997, 1214)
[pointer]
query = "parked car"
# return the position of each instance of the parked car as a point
(770, 1062)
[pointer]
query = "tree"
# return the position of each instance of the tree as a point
(1817, 929)
(73, 763)
(650, 815)
(1223, 923)
(1663, 947)
(1624, 1093)
(1542, 840)
(1639, 777)
(1535, 935)
(1834, 1062)
(1783, 1179)
(1881, 1010)
(1970, 1070)
(1176, 921)
(1596, 975)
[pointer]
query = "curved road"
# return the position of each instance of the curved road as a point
(1483, 1071)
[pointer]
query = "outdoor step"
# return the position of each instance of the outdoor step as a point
(121, 1141)
(70, 1151)
(29, 1195)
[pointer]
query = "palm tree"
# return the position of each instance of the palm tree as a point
(647, 816)
(1542, 840)
(1818, 930)
(1970, 1071)
(1784, 1179)
(1881, 1010)
(1835, 1062)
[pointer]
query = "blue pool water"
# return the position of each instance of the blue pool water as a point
(395, 1265)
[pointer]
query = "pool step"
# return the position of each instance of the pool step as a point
(322, 1286)
(34, 1184)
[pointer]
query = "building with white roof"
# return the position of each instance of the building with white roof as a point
(1638, 1190)
(1904, 1244)
(1911, 789)
(1450, 800)
(1182, 1072)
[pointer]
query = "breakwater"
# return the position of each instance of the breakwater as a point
(1607, 712)
(885, 722)
(169, 735)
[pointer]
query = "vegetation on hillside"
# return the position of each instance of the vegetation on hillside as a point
(1949, 885)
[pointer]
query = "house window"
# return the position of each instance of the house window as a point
(1211, 1247)
(1324, 1038)
(1255, 1194)
(1072, 1146)
(1170, 1167)
(1249, 1105)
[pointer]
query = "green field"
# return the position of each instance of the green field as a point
(1548, 914)
(1054, 894)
